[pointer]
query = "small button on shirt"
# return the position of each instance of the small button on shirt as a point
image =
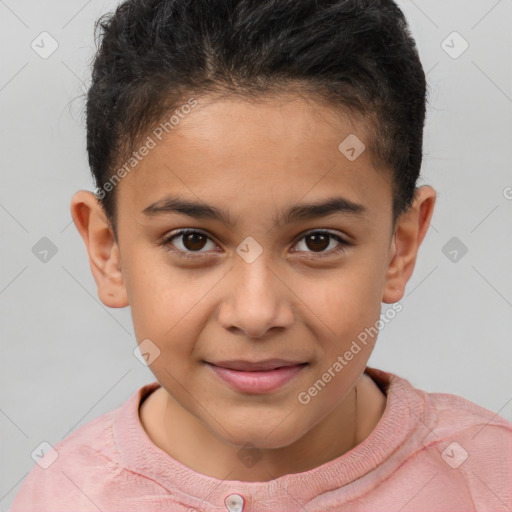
(234, 503)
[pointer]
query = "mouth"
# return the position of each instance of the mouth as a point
(256, 376)
(256, 366)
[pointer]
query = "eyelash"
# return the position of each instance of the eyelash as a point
(192, 255)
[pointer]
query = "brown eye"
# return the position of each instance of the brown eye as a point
(194, 241)
(319, 241)
(191, 241)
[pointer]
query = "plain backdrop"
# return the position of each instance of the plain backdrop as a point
(66, 358)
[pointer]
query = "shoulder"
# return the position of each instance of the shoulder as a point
(446, 413)
(469, 445)
(60, 471)
(454, 414)
(82, 466)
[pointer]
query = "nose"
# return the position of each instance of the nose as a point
(256, 298)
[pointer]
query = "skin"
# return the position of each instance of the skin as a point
(297, 300)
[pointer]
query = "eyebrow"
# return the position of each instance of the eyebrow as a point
(306, 211)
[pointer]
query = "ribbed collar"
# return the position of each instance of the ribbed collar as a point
(404, 410)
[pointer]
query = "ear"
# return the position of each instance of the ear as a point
(410, 230)
(104, 257)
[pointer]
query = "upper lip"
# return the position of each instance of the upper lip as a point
(254, 366)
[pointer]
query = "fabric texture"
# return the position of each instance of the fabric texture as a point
(429, 452)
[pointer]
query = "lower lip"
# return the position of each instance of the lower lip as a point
(257, 382)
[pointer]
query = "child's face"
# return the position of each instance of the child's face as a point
(298, 300)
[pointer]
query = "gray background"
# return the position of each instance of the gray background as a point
(66, 358)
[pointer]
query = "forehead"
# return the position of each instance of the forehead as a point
(247, 154)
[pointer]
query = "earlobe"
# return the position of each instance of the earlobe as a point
(410, 231)
(103, 251)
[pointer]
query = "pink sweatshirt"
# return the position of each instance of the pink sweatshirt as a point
(429, 452)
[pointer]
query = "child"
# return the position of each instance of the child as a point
(257, 129)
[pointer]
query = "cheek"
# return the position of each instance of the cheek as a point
(342, 303)
(170, 306)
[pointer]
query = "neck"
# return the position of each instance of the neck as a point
(187, 440)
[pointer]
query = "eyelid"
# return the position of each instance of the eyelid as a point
(324, 231)
(185, 231)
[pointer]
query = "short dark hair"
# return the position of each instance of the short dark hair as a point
(356, 55)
